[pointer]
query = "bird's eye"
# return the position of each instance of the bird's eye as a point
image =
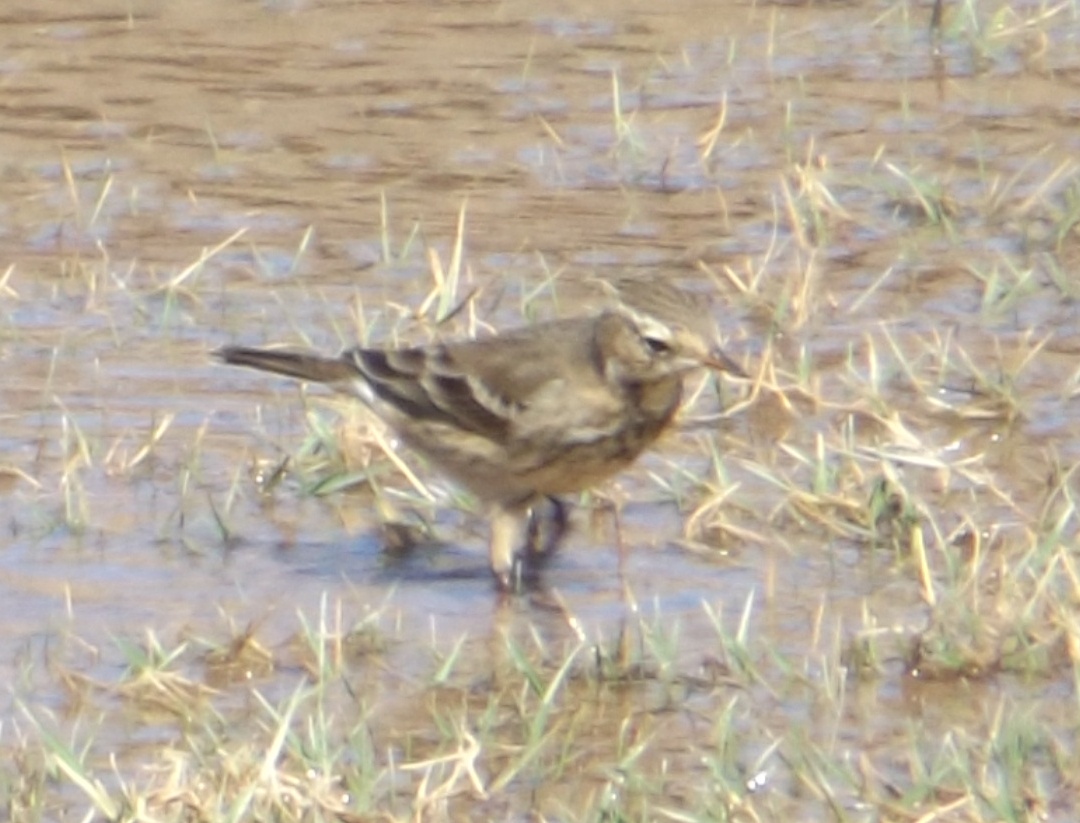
(657, 346)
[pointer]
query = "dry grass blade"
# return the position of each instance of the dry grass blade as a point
(205, 256)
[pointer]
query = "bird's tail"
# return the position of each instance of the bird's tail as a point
(302, 366)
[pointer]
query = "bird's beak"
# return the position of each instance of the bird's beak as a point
(719, 361)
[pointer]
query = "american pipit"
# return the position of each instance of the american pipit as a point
(543, 410)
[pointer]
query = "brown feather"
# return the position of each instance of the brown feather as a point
(303, 366)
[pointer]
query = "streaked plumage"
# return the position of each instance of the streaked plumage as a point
(538, 411)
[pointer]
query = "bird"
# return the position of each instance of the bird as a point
(521, 416)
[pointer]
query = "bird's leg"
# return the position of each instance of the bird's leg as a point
(546, 528)
(507, 530)
(519, 547)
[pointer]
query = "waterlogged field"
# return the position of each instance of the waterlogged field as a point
(844, 589)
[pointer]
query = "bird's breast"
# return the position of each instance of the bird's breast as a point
(580, 450)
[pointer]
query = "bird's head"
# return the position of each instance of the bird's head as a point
(658, 331)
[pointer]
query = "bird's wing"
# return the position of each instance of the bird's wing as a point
(481, 385)
(424, 384)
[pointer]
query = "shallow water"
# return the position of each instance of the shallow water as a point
(343, 141)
